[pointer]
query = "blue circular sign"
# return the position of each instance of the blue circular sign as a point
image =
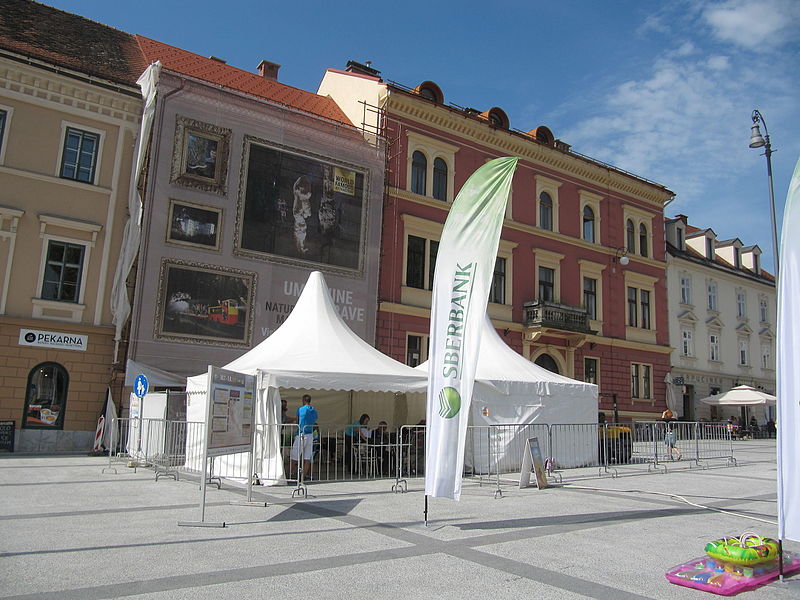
(140, 386)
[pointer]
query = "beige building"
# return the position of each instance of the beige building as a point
(68, 128)
(723, 319)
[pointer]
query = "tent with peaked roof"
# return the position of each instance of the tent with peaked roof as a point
(314, 349)
(511, 390)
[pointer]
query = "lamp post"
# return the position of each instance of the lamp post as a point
(756, 141)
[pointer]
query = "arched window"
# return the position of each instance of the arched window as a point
(419, 168)
(440, 179)
(46, 397)
(630, 237)
(588, 224)
(545, 211)
(642, 239)
(548, 362)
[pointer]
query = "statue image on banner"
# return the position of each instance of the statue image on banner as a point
(298, 207)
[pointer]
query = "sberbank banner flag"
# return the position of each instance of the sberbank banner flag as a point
(788, 354)
(463, 276)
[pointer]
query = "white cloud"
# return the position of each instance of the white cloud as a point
(754, 24)
(718, 63)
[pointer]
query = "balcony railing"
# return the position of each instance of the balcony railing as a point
(551, 315)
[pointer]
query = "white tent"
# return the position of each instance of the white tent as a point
(315, 350)
(511, 390)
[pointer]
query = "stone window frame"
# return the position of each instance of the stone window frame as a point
(551, 186)
(432, 149)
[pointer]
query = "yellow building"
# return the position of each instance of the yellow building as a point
(68, 127)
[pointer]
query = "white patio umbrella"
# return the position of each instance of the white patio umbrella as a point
(741, 395)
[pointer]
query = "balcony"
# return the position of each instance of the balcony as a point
(550, 315)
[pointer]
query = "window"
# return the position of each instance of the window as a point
(630, 237)
(79, 157)
(643, 239)
(419, 170)
(712, 295)
(497, 293)
(743, 352)
(588, 224)
(547, 194)
(679, 238)
(590, 297)
(709, 248)
(421, 262)
(756, 257)
(590, 370)
(433, 252)
(687, 343)
(46, 397)
(633, 313)
(713, 347)
(644, 304)
(429, 167)
(546, 284)
(545, 211)
(439, 179)
(415, 262)
(638, 308)
(686, 289)
(62, 276)
(416, 349)
(762, 308)
(641, 381)
(766, 356)
(737, 258)
(741, 305)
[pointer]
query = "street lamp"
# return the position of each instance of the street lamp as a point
(756, 141)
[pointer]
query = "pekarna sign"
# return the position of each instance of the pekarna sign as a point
(53, 339)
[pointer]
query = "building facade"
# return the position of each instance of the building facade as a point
(723, 318)
(251, 186)
(68, 126)
(580, 277)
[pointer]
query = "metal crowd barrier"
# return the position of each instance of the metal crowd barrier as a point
(172, 448)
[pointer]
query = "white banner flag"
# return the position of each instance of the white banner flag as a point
(788, 356)
(464, 269)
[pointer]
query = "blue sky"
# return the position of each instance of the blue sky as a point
(663, 89)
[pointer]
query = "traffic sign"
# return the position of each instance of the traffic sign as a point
(140, 386)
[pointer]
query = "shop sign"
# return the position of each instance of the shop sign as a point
(53, 339)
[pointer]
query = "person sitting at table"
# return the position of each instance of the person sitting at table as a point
(357, 432)
(382, 438)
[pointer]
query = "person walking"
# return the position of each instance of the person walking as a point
(304, 440)
(670, 440)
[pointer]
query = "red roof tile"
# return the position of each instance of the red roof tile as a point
(216, 72)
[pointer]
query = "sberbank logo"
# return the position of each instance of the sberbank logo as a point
(449, 402)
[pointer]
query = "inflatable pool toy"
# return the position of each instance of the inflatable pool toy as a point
(747, 549)
(733, 565)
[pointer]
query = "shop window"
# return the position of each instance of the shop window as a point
(46, 397)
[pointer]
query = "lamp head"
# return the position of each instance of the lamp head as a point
(624, 260)
(756, 141)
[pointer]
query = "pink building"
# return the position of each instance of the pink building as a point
(580, 280)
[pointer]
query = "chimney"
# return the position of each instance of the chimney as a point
(362, 69)
(268, 70)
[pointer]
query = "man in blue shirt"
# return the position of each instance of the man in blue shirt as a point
(304, 440)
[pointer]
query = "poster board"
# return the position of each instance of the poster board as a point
(7, 436)
(231, 411)
(532, 461)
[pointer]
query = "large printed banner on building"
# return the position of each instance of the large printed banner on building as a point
(788, 373)
(463, 276)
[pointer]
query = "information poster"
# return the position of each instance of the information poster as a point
(532, 461)
(231, 402)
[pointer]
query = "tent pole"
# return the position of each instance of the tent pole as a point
(425, 510)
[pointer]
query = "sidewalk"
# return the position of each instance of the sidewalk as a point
(72, 532)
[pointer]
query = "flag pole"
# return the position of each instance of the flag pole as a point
(425, 510)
